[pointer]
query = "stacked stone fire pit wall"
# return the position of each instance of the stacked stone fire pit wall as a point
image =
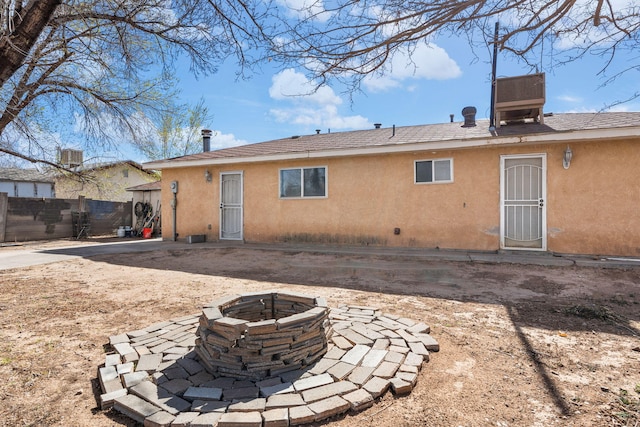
(260, 335)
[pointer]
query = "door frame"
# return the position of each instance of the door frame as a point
(543, 199)
(241, 206)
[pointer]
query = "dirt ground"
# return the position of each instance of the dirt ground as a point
(520, 345)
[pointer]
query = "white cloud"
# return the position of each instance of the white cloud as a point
(622, 108)
(225, 140)
(334, 121)
(325, 117)
(427, 61)
(306, 9)
(581, 110)
(294, 86)
(309, 106)
(569, 98)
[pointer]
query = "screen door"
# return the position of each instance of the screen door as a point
(231, 205)
(522, 202)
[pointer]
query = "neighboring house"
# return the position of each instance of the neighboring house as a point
(26, 183)
(145, 197)
(103, 181)
(568, 185)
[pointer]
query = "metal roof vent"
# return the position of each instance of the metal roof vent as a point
(377, 125)
(469, 114)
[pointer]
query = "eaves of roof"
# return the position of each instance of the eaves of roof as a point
(561, 128)
(106, 165)
(149, 186)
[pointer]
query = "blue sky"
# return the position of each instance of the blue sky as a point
(435, 81)
(448, 77)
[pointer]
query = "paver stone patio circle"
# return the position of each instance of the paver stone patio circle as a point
(181, 385)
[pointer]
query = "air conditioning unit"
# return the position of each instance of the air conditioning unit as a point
(70, 157)
(518, 98)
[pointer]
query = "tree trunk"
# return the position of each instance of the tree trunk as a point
(30, 23)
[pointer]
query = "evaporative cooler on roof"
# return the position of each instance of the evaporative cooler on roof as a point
(519, 98)
(71, 158)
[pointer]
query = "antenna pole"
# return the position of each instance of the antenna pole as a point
(492, 113)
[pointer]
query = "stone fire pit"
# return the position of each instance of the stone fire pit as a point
(263, 360)
(260, 335)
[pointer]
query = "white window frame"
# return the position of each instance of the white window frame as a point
(302, 196)
(433, 175)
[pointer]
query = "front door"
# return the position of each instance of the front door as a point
(523, 220)
(231, 205)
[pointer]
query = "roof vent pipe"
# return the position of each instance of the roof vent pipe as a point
(451, 117)
(206, 140)
(394, 131)
(317, 131)
(469, 114)
(377, 125)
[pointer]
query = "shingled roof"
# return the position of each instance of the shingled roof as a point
(24, 175)
(556, 128)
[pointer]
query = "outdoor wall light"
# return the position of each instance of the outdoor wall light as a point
(566, 158)
(208, 176)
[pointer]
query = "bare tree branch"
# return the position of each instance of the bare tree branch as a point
(359, 37)
(37, 160)
(93, 58)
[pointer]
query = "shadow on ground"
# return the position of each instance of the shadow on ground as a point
(553, 298)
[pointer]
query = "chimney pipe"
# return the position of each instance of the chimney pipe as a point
(206, 140)
(377, 125)
(469, 114)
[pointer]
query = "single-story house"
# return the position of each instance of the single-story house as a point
(567, 184)
(103, 181)
(26, 183)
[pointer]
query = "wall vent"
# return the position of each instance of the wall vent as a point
(519, 98)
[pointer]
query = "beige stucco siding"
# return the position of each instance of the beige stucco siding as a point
(197, 203)
(368, 197)
(592, 207)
